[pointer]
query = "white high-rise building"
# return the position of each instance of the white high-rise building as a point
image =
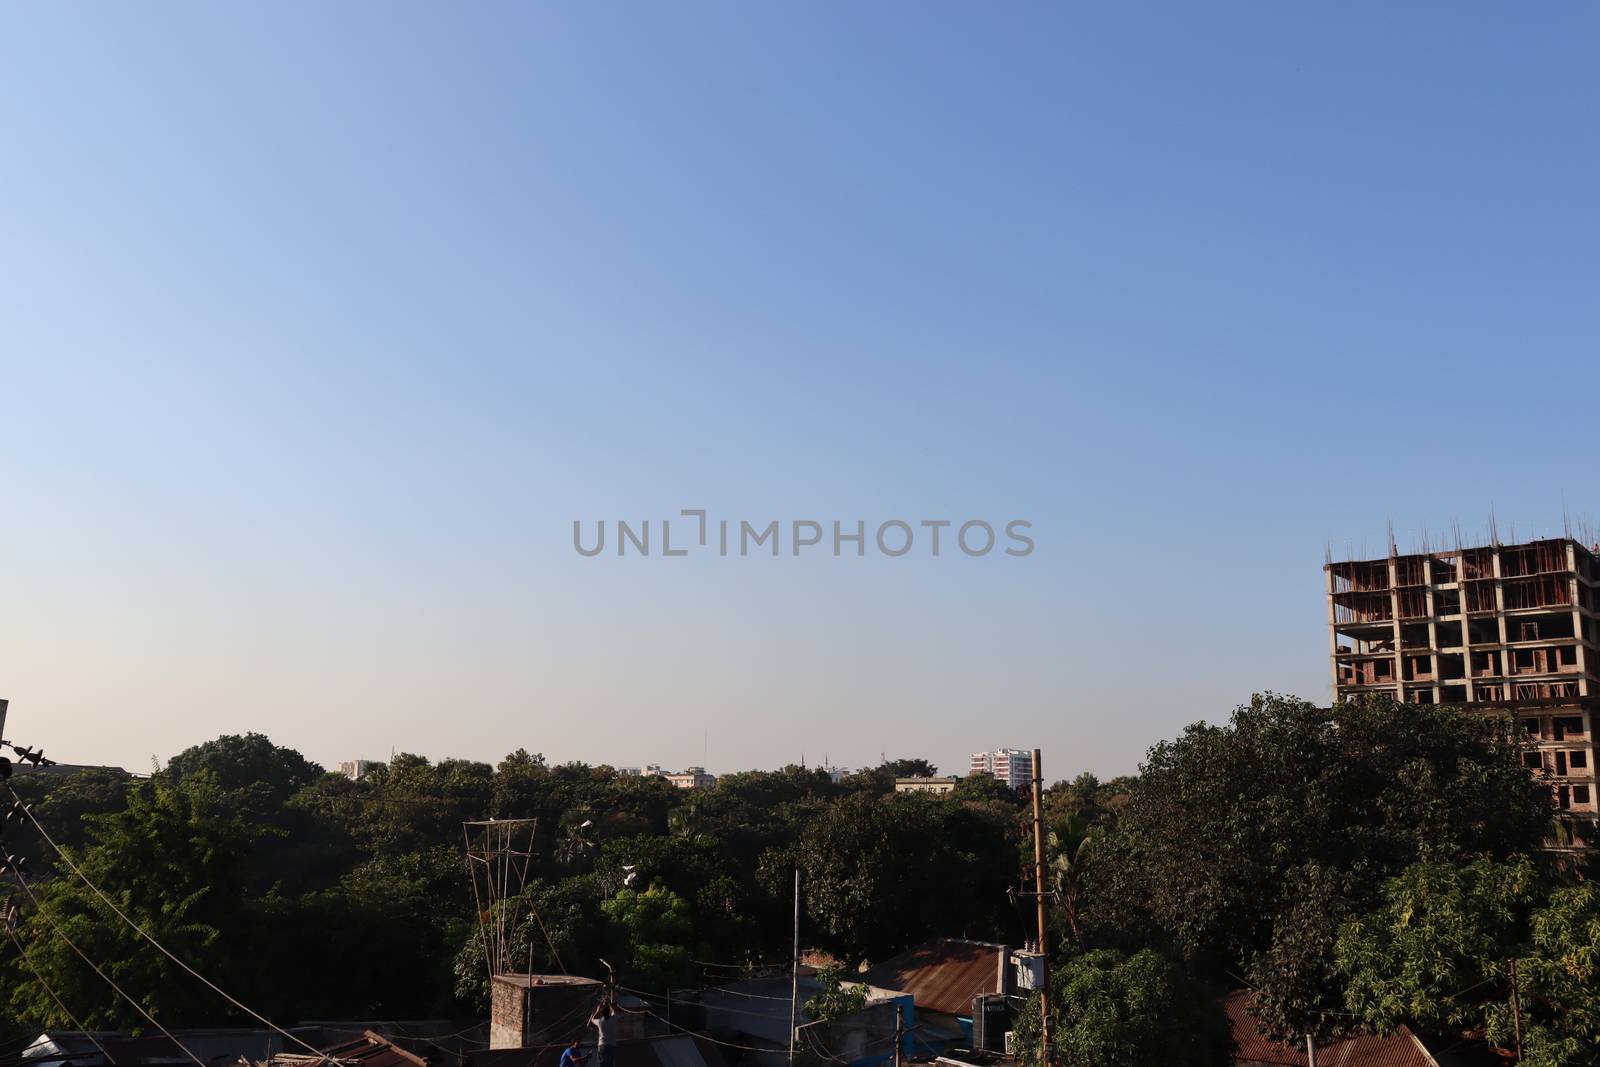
(1013, 766)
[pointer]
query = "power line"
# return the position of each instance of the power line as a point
(750, 996)
(705, 1037)
(701, 1003)
(26, 888)
(23, 952)
(142, 933)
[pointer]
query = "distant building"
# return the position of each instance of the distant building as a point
(688, 778)
(1012, 766)
(357, 769)
(628, 772)
(837, 774)
(692, 778)
(939, 786)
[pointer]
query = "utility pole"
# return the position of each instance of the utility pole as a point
(1044, 917)
(899, 1033)
(1516, 1010)
(794, 968)
(1311, 1051)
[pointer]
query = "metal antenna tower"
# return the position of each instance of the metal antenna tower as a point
(499, 855)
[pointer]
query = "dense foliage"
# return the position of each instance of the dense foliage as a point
(1440, 952)
(1245, 846)
(1376, 863)
(247, 860)
(1117, 1010)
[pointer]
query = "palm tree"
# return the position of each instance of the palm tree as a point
(1069, 839)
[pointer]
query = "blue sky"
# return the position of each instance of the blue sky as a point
(321, 324)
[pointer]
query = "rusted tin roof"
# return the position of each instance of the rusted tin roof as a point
(1253, 1048)
(944, 975)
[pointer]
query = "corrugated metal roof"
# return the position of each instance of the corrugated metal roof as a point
(943, 975)
(1252, 1047)
(673, 1050)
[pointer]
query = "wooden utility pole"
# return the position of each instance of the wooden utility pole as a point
(1311, 1051)
(794, 968)
(899, 1033)
(1516, 1010)
(1044, 915)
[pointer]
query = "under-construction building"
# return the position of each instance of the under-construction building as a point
(1514, 628)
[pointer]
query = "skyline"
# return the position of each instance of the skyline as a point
(324, 325)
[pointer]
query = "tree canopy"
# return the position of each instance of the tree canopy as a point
(1247, 844)
(1376, 863)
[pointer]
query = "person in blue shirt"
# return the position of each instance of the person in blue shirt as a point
(572, 1056)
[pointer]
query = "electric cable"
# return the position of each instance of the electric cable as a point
(26, 959)
(67, 859)
(50, 919)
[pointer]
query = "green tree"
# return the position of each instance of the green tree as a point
(251, 774)
(880, 873)
(986, 787)
(62, 804)
(1438, 952)
(1561, 966)
(1068, 845)
(652, 930)
(1207, 847)
(175, 868)
(1113, 1010)
(835, 999)
(556, 928)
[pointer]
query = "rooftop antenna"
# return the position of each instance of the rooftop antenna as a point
(498, 860)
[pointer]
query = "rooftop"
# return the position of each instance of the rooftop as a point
(944, 975)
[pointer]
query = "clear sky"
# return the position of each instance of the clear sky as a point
(320, 324)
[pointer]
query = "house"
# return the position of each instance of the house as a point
(224, 1045)
(756, 1015)
(944, 977)
(1253, 1048)
(375, 1050)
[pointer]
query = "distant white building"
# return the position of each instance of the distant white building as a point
(692, 778)
(937, 786)
(1013, 766)
(357, 769)
(688, 778)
